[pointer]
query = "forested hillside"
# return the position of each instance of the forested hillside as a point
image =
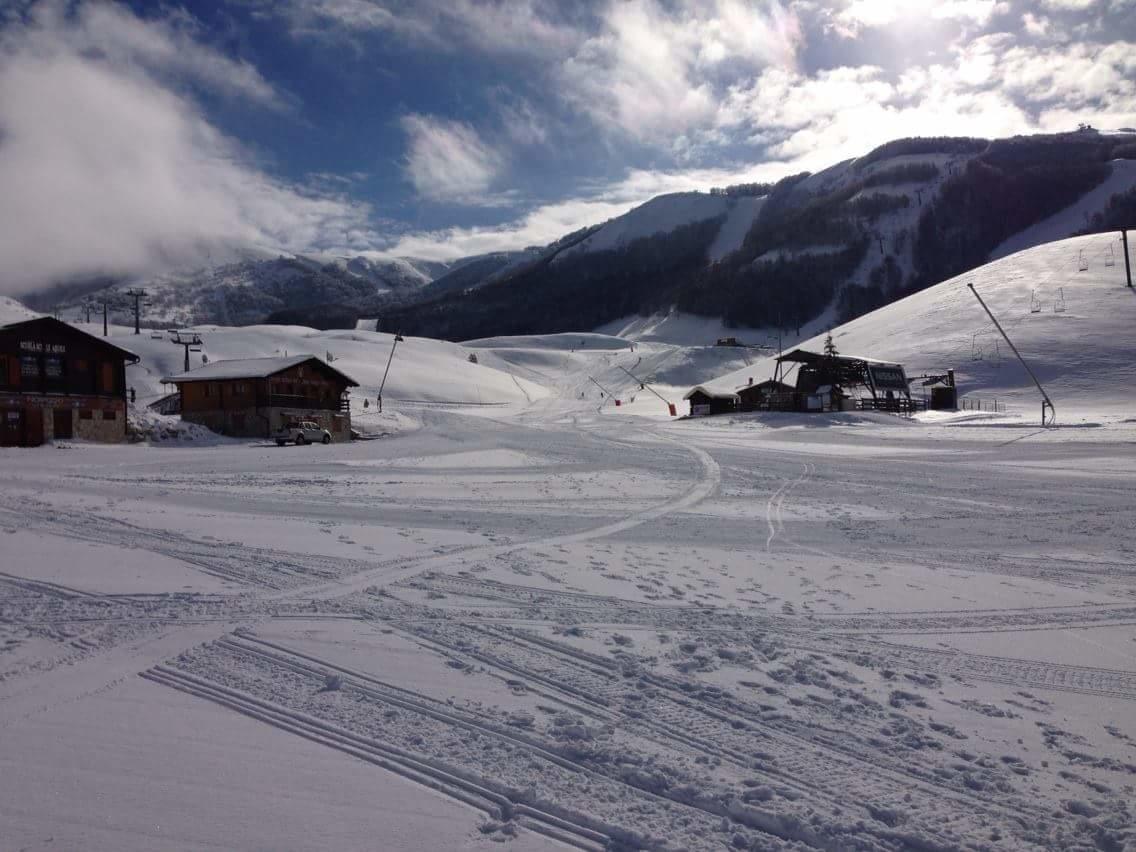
(852, 238)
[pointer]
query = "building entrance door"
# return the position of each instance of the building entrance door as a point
(11, 427)
(64, 427)
(33, 427)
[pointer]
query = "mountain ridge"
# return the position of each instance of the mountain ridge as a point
(842, 241)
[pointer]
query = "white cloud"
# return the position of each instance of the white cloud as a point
(549, 222)
(163, 47)
(649, 73)
(1070, 5)
(105, 168)
(498, 26)
(447, 161)
(1036, 25)
(856, 15)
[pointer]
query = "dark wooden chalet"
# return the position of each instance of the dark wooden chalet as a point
(255, 397)
(705, 401)
(58, 382)
(769, 395)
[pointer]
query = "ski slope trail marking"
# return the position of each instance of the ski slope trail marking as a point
(774, 506)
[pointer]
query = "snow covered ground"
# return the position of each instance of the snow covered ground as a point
(551, 622)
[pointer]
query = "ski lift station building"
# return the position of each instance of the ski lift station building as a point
(822, 383)
(255, 397)
(58, 382)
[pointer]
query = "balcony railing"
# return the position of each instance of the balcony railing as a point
(281, 400)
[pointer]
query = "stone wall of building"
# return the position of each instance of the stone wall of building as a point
(106, 422)
(100, 426)
(338, 424)
(248, 423)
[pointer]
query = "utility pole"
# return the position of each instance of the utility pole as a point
(1127, 262)
(394, 344)
(137, 296)
(1046, 401)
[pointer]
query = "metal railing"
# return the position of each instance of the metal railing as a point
(977, 404)
(283, 400)
(897, 405)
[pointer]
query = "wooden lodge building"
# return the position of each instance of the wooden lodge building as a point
(58, 382)
(256, 397)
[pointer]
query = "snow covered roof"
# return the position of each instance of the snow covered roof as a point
(767, 384)
(251, 368)
(710, 392)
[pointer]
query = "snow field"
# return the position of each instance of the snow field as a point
(551, 623)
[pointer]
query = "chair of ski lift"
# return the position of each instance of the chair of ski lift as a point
(975, 349)
(1082, 262)
(1059, 304)
(1035, 303)
(1110, 258)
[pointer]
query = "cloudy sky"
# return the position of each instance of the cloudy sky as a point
(138, 135)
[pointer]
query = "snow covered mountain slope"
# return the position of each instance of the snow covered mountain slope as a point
(250, 289)
(1074, 218)
(740, 216)
(421, 370)
(660, 215)
(1079, 342)
(843, 241)
(13, 311)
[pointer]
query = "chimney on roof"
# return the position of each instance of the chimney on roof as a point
(749, 381)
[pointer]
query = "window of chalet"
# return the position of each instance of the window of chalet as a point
(53, 366)
(110, 414)
(29, 366)
(106, 377)
(86, 414)
(7, 371)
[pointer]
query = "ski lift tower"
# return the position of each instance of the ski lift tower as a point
(394, 344)
(647, 387)
(1046, 402)
(188, 341)
(138, 296)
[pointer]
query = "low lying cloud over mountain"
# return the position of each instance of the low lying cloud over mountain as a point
(134, 136)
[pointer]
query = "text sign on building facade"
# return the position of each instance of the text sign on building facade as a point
(889, 378)
(36, 346)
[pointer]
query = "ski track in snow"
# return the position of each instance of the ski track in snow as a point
(608, 632)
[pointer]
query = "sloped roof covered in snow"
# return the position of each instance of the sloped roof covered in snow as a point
(253, 368)
(711, 392)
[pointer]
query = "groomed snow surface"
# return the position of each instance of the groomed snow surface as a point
(530, 619)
